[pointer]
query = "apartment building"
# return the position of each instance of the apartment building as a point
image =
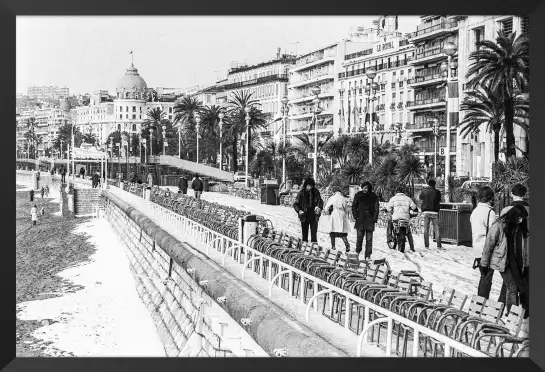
(314, 69)
(268, 83)
(48, 92)
(476, 152)
(389, 54)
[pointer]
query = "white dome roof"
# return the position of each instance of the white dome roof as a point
(131, 82)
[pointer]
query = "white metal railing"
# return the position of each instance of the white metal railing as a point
(204, 239)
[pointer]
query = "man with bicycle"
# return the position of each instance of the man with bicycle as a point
(400, 207)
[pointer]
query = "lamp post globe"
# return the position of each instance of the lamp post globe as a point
(316, 91)
(221, 115)
(247, 109)
(453, 65)
(371, 73)
(375, 86)
(284, 100)
(450, 49)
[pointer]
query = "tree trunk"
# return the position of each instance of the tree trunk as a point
(235, 155)
(509, 130)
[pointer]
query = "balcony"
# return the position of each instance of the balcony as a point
(427, 32)
(312, 80)
(312, 61)
(308, 96)
(428, 103)
(426, 80)
(392, 106)
(424, 127)
(400, 105)
(261, 80)
(429, 55)
(381, 107)
(401, 84)
(409, 103)
(384, 66)
(393, 85)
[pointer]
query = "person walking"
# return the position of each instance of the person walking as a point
(31, 195)
(82, 172)
(431, 199)
(42, 192)
(481, 219)
(52, 171)
(34, 214)
(365, 210)
(63, 175)
(197, 186)
(401, 206)
(308, 205)
(506, 250)
(150, 180)
(47, 190)
(339, 225)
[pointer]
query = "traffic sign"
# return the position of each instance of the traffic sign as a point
(442, 151)
(311, 155)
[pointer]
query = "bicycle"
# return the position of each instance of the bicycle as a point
(398, 234)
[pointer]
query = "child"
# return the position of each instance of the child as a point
(47, 190)
(34, 214)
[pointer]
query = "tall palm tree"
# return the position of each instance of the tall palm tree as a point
(89, 138)
(482, 106)
(185, 111)
(155, 119)
(337, 149)
(236, 106)
(503, 66)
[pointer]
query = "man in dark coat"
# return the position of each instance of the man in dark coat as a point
(365, 208)
(431, 199)
(308, 205)
(197, 186)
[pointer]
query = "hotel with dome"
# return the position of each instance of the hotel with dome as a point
(126, 110)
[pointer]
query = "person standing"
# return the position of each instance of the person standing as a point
(339, 225)
(401, 207)
(82, 172)
(150, 180)
(197, 186)
(481, 219)
(431, 199)
(31, 195)
(52, 171)
(308, 205)
(63, 175)
(42, 192)
(34, 214)
(365, 210)
(47, 190)
(506, 250)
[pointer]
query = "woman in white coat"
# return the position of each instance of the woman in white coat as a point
(338, 224)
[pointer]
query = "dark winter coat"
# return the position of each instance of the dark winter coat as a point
(431, 199)
(197, 185)
(365, 208)
(182, 184)
(302, 203)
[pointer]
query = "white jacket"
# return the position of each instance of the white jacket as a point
(338, 220)
(400, 206)
(482, 216)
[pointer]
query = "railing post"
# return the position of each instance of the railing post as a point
(315, 302)
(416, 343)
(347, 312)
(366, 321)
(290, 283)
(389, 337)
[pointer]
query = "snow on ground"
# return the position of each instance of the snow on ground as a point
(106, 318)
(451, 267)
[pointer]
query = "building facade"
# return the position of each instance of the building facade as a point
(48, 92)
(267, 81)
(389, 53)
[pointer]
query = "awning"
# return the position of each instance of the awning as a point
(89, 154)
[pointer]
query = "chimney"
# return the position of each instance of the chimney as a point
(278, 53)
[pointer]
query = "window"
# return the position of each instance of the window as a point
(478, 35)
(126, 116)
(507, 26)
(401, 117)
(120, 116)
(120, 108)
(400, 96)
(134, 116)
(393, 118)
(127, 108)
(525, 26)
(393, 96)
(169, 110)
(170, 117)
(134, 109)
(134, 127)
(119, 127)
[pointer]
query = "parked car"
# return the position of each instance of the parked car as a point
(240, 176)
(475, 184)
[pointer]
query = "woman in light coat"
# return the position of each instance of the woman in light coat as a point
(34, 214)
(338, 224)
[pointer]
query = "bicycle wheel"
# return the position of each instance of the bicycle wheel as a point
(391, 240)
(401, 239)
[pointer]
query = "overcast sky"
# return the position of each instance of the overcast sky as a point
(91, 53)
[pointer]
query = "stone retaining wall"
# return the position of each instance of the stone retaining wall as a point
(86, 200)
(185, 309)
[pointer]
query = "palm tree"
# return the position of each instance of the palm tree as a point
(353, 171)
(504, 67)
(65, 134)
(408, 170)
(185, 111)
(482, 106)
(155, 119)
(337, 149)
(89, 138)
(236, 113)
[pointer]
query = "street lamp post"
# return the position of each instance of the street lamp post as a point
(435, 135)
(145, 150)
(150, 141)
(164, 139)
(371, 74)
(285, 111)
(450, 50)
(197, 128)
(221, 115)
(179, 142)
(118, 145)
(316, 92)
(247, 110)
(73, 146)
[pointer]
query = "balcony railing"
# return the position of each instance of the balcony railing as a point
(261, 80)
(382, 66)
(427, 77)
(428, 101)
(401, 84)
(444, 25)
(400, 105)
(429, 52)
(304, 79)
(381, 107)
(426, 125)
(313, 58)
(393, 85)
(409, 103)
(392, 106)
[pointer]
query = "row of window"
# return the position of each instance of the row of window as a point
(277, 70)
(120, 109)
